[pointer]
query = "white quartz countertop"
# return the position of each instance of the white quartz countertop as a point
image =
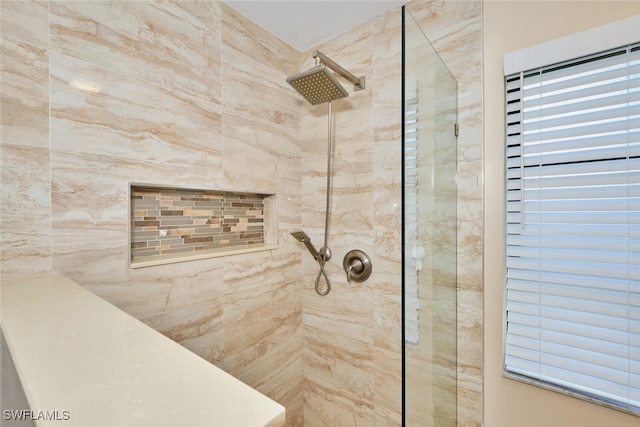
(75, 352)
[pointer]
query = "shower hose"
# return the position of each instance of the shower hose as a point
(325, 248)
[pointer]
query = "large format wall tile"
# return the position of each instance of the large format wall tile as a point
(387, 350)
(25, 97)
(262, 325)
(24, 215)
(175, 45)
(25, 195)
(25, 21)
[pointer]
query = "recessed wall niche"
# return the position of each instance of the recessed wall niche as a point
(173, 224)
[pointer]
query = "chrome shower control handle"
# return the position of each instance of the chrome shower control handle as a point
(357, 265)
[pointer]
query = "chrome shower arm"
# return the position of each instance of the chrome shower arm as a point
(358, 82)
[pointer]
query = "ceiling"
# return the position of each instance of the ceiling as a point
(304, 24)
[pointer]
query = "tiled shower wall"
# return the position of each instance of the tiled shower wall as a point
(352, 337)
(97, 94)
(190, 93)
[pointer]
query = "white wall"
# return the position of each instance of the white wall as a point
(508, 26)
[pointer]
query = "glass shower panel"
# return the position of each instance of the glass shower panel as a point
(430, 224)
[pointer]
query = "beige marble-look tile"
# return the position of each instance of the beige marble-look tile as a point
(243, 35)
(470, 120)
(262, 324)
(418, 387)
(24, 87)
(295, 411)
(273, 366)
(89, 206)
(323, 406)
(470, 328)
(25, 198)
(24, 261)
(445, 396)
(387, 65)
(469, 261)
(91, 104)
(469, 198)
(134, 87)
(469, 400)
(260, 297)
(252, 150)
(88, 198)
(387, 203)
(197, 328)
(348, 309)
(289, 209)
(172, 45)
(102, 267)
(387, 142)
(353, 134)
(347, 394)
(453, 28)
(431, 394)
(153, 136)
(208, 345)
(25, 21)
(387, 417)
(183, 301)
(387, 150)
(252, 90)
(338, 337)
(339, 376)
(192, 307)
(388, 294)
(388, 385)
(387, 227)
(261, 127)
(101, 264)
(351, 199)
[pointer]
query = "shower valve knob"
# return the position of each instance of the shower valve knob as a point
(357, 265)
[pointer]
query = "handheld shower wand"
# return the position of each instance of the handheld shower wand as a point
(321, 256)
(302, 237)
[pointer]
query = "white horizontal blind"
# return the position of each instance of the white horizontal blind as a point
(411, 288)
(573, 226)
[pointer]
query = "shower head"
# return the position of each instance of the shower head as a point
(317, 85)
(302, 237)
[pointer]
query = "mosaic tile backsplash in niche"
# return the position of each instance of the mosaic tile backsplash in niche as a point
(187, 222)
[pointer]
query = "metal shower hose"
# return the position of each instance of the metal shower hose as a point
(324, 251)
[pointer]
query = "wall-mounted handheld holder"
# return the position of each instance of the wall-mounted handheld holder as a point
(357, 265)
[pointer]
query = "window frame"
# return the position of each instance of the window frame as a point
(577, 45)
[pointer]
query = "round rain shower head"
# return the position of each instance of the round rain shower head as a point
(317, 85)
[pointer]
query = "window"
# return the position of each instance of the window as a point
(572, 301)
